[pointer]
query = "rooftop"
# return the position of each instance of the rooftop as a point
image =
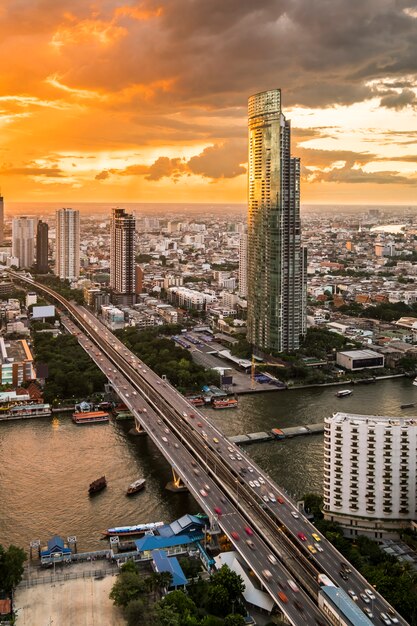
(343, 603)
(360, 354)
(355, 418)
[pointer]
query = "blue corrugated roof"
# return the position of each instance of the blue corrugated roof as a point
(171, 565)
(344, 603)
(152, 542)
(186, 523)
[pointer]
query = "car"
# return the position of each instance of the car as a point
(203, 493)
(230, 449)
(239, 458)
(282, 597)
(144, 410)
(302, 536)
(298, 606)
(312, 549)
(250, 469)
(192, 416)
(370, 594)
(266, 574)
(272, 559)
(215, 440)
(196, 471)
(295, 514)
(235, 535)
(346, 567)
(315, 537)
(365, 598)
(159, 421)
(265, 498)
(193, 463)
(272, 497)
(250, 543)
(256, 483)
(207, 487)
(184, 414)
(176, 445)
(231, 457)
(204, 434)
(223, 500)
(394, 619)
(318, 547)
(199, 424)
(248, 531)
(135, 393)
(242, 470)
(261, 480)
(218, 510)
(368, 612)
(280, 500)
(385, 618)
(166, 430)
(251, 484)
(353, 595)
(292, 585)
(164, 439)
(343, 574)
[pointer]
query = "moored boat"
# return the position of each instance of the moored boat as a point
(97, 485)
(343, 393)
(409, 405)
(224, 403)
(415, 381)
(90, 417)
(138, 485)
(138, 529)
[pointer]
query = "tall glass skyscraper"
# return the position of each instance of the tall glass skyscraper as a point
(67, 253)
(276, 299)
(122, 256)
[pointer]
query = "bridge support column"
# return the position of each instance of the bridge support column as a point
(137, 429)
(176, 483)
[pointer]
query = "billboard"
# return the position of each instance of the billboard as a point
(39, 312)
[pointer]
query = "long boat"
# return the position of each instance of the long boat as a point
(138, 485)
(224, 403)
(138, 529)
(90, 417)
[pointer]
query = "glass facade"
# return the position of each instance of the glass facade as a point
(276, 286)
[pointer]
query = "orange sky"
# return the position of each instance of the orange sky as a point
(146, 101)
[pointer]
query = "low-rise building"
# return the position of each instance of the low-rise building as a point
(355, 360)
(16, 362)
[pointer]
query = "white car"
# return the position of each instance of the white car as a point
(239, 458)
(365, 598)
(232, 458)
(256, 483)
(265, 498)
(318, 547)
(368, 611)
(385, 618)
(272, 559)
(272, 497)
(250, 469)
(251, 483)
(353, 595)
(230, 449)
(295, 514)
(164, 439)
(261, 480)
(370, 594)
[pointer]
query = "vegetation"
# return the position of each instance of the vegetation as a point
(395, 581)
(164, 357)
(216, 602)
(70, 369)
(11, 567)
(386, 311)
(319, 342)
(242, 349)
(143, 258)
(62, 287)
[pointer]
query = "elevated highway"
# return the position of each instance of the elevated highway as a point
(202, 456)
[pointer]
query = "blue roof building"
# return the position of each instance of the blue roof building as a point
(163, 563)
(185, 524)
(56, 550)
(158, 542)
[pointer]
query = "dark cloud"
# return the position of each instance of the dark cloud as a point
(32, 170)
(357, 176)
(312, 157)
(399, 100)
(103, 175)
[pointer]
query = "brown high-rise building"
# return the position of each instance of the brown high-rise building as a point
(122, 256)
(42, 247)
(1, 220)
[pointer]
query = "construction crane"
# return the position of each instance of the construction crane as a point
(255, 365)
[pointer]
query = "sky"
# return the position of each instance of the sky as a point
(113, 100)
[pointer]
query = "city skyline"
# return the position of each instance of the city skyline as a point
(98, 112)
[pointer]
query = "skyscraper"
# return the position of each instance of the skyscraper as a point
(1, 220)
(243, 265)
(23, 240)
(276, 308)
(67, 253)
(122, 256)
(42, 247)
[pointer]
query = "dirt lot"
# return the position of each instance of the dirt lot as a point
(79, 602)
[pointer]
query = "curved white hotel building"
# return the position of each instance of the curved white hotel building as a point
(370, 474)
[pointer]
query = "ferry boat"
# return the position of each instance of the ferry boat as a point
(90, 417)
(138, 529)
(97, 485)
(25, 411)
(224, 403)
(343, 393)
(138, 485)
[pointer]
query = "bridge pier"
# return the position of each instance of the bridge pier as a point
(176, 483)
(137, 429)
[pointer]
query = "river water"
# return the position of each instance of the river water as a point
(45, 470)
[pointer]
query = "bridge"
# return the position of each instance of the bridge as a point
(218, 474)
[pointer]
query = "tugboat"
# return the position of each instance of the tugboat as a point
(138, 485)
(97, 485)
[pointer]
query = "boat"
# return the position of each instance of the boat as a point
(343, 393)
(196, 400)
(409, 405)
(415, 381)
(97, 485)
(138, 485)
(124, 415)
(226, 403)
(90, 417)
(138, 529)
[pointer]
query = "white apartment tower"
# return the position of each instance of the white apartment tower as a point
(370, 474)
(122, 256)
(67, 254)
(23, 240)
(243, 265)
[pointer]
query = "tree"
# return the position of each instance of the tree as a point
(165, 616)
(234, 620)
(11, 567)
(232, 582)
(218, 600)
(313, 504)
(136, 612)
(180, 604)
(129, 586)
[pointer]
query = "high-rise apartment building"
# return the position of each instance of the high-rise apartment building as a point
(23, 240)
(67, 253)
(1, 220)
(42, 247)
(122, 256)
(243, 265)
(370, 474)
(275, 276)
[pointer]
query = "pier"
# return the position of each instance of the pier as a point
(278, 434)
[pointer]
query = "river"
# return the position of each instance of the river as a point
(45, 470)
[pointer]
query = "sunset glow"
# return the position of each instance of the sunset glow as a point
(147, 101)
